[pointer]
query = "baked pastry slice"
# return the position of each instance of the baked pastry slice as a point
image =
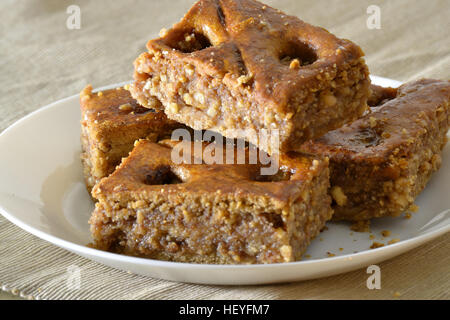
(111, 122)
(217, 213)
(381, 162)
(234, 66)
(379, 95)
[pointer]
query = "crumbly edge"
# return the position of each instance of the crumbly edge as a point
(212, 230)
(318, 211)
(200, 101)
(86, 156)
(363, 196)
(345, 96)
(103, 151)
(100, 157)
(204, 102)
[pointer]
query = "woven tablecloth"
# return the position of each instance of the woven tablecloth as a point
(42, 60)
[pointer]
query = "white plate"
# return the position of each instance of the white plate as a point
(42, 191)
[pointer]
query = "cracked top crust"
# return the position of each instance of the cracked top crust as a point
(114, 108)
(391, 127)
(246, 43)
(150, 169)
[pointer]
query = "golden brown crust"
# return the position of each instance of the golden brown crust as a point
(256, 68)
(242, 33)
(382, 161)
(111, 121)
(202, 213)
(379, 95)
(395, 124)
(114, 108)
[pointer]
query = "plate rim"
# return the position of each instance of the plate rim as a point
(396, 248)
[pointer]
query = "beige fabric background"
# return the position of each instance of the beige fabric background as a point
(42, 61)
